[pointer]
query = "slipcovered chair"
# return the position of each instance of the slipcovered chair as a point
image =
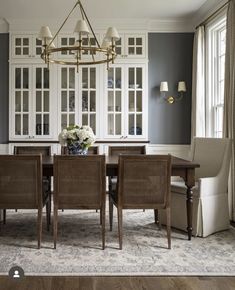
(210, 194)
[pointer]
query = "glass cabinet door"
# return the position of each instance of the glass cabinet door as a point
(21, 101)
(135, 101)
(67, 96)
(88, 95)
(21, 46)
(135, 45)
(114, 101)
(42, 102)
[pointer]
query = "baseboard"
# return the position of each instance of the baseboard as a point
(4, 149)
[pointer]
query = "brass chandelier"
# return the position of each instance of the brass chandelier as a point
(82, 54)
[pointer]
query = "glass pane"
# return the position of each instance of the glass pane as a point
(25, 124)
(139, 77)
(17, 125)
(110, 101)
(139, 101)
(71, 119)
(84, 119)
(118, 124)
(17, 78)
(38, 42)
(118, 102)
(18, 41)
(92, 101)
(38, 124)
(17, 101)
(84, 101)
(131, 50)
(71, 41)
(139, 124)
(25, 41)
(71, 101)
(85, 78)
(17, 51)
(222, 67)
(118, 78)
(138, 50)
(63, 41)
(131, 41)
(138, 41)
(46, 101)
(110, 124)
(110, 78)
(131, 78)
(25, 101)
(64, 78)
(46, 124)
(38, 101)
(25, 78)
(92, 78)
(71, 78)
(38, 78)
(221, 93)
(131, 124)
(63, 121)
(63, 101)
(93, 122)
(118, 50)
(38, 50)
(46, 78)
(131, 101)
(25, 51)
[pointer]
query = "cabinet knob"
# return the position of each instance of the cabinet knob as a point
(125, 137)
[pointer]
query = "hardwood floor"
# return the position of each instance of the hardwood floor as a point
(118, 283)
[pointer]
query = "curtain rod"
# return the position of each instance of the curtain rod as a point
(213, 14)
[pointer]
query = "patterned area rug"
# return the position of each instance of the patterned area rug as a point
(79, 247)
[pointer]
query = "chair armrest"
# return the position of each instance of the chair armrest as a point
(213, 185)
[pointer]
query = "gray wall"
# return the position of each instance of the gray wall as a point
(4, 85)
(170, 59)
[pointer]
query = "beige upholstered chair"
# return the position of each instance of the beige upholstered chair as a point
(210, 197)
(79, 183)
(21, 186)
(143, 183)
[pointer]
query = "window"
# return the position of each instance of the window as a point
(216, 40)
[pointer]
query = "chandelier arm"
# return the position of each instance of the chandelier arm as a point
(78, 2)
(93, 33)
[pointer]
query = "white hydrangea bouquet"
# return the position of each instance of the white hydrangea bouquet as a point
(77, 139)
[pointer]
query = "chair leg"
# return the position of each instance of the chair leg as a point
(157, 219)
(39, 227)
(101, 216)
(55, 226)
(168, 226)
(120, 227)
(110, 213)
(48, 214)
(103, 226)
(4, 216)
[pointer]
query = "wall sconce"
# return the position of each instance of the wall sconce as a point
(172, 99)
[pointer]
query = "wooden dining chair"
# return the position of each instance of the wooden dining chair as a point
(117, 150)
(21, 186)
(33, 150)
(79, 183)
(143, 183)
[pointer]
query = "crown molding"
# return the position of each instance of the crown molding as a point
(170, 25)
(4, 26)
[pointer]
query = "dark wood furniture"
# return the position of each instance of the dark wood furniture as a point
(25, 150)
(21, 185)
(179, 167)
(79, 183)
(143, 182)
(117, 150)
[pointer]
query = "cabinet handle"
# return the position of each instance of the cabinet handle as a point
(121, 137)
(125, 137)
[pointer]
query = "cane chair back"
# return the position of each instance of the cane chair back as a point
(130, 150)
(32, 150)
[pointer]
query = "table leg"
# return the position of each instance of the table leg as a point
(189, 205)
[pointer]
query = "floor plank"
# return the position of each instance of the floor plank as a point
(118, 283)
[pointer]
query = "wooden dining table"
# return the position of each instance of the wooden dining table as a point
(180, 167)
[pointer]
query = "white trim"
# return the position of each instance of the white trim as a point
(4, 26)
(181, 151)
(4, 148)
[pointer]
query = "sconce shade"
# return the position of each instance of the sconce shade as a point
(164, 87)
(45, 33)
(181, 86)
(81, 27)
(112, 34)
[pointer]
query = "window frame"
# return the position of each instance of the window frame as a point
(213, 32)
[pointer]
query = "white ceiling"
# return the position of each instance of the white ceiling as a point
(100, 9)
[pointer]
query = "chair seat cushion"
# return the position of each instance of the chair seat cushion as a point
(180, 188)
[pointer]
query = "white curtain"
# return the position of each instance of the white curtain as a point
(229, 98)
(198, 122)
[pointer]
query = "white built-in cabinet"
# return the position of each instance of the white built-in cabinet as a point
(44, 101)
